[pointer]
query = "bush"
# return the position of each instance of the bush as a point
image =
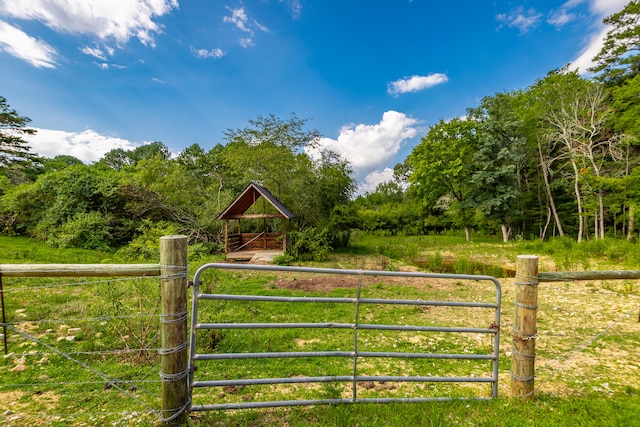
(89, 230)
(146, 245)
(284, 259)
(309, 245)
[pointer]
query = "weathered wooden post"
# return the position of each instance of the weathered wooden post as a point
(523, 354)
(173, 319)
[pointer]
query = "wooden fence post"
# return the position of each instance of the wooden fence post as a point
(173, 319)
(523, 354)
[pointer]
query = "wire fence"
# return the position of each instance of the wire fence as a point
(587, 338)
(98, 339)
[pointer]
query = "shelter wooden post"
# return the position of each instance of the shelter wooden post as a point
(523, 354)
(226, 235)
(173, 319)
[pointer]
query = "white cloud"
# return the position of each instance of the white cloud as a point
(246, 41)
(238, 18)
(372, 180)
(94, 51)
(295, 6)
(245, 24)
(560, 17)
(204, 53)
(605, 8)
(416, 83)
(520, 18)
(584, 61)
(595, 40)
(117, 20)
(370, 147)
(88, 146)
(19, 44)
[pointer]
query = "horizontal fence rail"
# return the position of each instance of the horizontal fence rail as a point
(558, 276)
(79, 270)
(354, 354)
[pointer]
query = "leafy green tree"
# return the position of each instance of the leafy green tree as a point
(576, 130)
(441, 166)
(625, 102)
(77, 206)
(271, 151)
(119, 159)
(15, 154)
(619, 58)
(267, 151)
(538, 99)
(497, 159)
(60, 162)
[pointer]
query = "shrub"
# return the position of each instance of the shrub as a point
(284, 259)
(146, 245)
(309, 245)
(90, 230)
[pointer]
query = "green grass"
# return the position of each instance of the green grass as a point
(55, 391)
(488, 255)
(18, 250)
(592, 410)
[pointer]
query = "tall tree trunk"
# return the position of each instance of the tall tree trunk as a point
(547, 188)
(576, 187)
(601, 217)
(631, 223)
(505, 233)
(546, 224)
(467, 234)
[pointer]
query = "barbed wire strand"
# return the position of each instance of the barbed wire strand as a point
(97, 352)
(84, 365)
(72, 284)
(56, 383)
(580, 347)
(82, 319)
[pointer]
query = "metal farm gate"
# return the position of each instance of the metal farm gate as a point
(354, 355)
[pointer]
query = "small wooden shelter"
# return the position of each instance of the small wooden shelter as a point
(240, 245)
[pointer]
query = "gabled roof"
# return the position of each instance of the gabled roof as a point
(237, 209)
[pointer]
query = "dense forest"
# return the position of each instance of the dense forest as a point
(558, 158)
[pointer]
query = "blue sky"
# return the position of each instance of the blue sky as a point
(372, 76)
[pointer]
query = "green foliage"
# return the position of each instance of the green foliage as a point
(441, 165)
(146, 244)
(60, 162)
(270, 151)
(619, 57)
(309, 244)
(118, 159)
(497, 157)
(283, 259)
(13, 148)
(87, 230)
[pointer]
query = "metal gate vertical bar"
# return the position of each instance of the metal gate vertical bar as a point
(193, 343)
(355, 340)
(496, 340)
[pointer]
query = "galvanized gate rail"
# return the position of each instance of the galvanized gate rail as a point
(355, 354)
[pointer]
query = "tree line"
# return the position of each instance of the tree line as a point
(558, 158)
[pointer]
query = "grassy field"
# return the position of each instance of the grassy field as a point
(85, 352)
